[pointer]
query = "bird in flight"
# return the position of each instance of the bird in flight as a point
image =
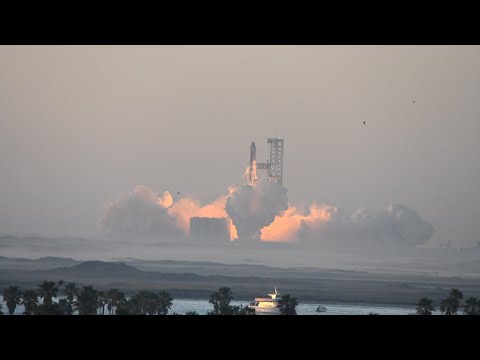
(364, 123)
(414, 101)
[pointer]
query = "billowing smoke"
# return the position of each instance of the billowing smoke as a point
(144, 213)
(261, 211)
(329, 226)
(253, 207)
(141, 212)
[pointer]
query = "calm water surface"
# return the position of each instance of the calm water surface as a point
(181, 306)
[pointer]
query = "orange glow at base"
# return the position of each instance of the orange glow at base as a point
(186, 208)
(285, 227)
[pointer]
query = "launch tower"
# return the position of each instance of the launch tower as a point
(273, 167)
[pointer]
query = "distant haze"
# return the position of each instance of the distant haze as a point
(83, 125)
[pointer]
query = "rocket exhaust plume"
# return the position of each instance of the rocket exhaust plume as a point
(260, 210)
(253, 207)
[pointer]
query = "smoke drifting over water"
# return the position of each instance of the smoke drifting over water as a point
(261, 211)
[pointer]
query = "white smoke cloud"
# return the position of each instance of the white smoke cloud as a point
(253, 207)
(397, 225)
(141, 212)
(261, 212)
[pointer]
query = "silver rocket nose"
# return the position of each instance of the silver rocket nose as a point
(253, 152)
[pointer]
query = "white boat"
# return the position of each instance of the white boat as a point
(266, 306)
(321, 308)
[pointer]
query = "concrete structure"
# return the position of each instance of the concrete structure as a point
(209, 229)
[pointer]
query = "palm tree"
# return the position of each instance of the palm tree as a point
(63, 307)
(125, 307)
(114, 297)
(164, 302)
(87, 300)
(472, 306)
(30, 301)
(145, 302)
(221, 301)
(449, 306)
(242, 310)
(425, 306)
(456, 294)
(12, 296)
(70, 291)
(47, 290)
(102, 301)
(288, 305)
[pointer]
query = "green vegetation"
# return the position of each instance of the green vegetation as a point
(425, 306)
(288, 305)
(472, 306)
(89, 301)
(30, 301)
(221, 302)
(84, 301)
(221, 299)
(115, 297)
(47, 290)
(70, 291)
(450, 305)
(12, 296)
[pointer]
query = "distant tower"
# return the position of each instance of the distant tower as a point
(274, 167)
(276, 160)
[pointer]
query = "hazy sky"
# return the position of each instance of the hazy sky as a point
(80, 125)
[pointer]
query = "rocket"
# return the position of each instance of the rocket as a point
(253, 160)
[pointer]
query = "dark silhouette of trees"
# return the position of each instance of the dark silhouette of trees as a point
(425, 306)
(30, 302)
(47, 290)
(221, 301)
(87, 300)
(472, 306)
(242, 310)
(12, 297)
(114, 297)
(102, 301)
(70, 291)
(450, 305)
(288, 305)
(163, 302)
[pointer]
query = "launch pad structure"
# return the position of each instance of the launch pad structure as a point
(274, 166)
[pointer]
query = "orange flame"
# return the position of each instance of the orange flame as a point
(285, 227)
(251, 177)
